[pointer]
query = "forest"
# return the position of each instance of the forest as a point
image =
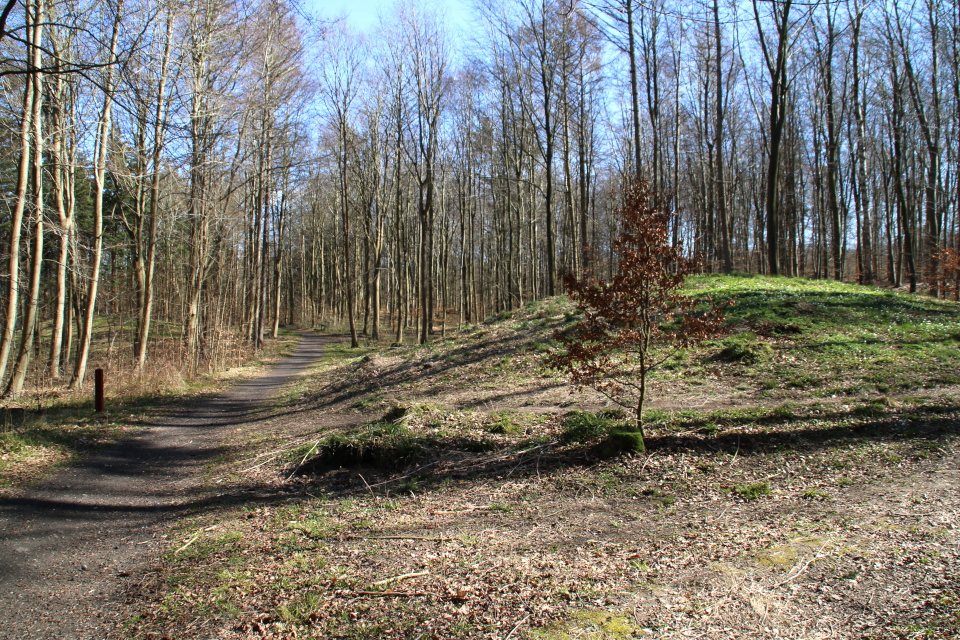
(183, 179)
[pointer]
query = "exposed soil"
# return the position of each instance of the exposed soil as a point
(69, 545)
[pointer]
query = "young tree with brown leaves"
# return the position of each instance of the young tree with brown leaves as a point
(948, 273)
(638, 319)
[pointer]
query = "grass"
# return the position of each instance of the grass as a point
(822, 328)
(381, 444)
(584, 426)
(752, 491)
(506, 423)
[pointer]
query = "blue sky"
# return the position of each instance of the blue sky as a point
(362, 14)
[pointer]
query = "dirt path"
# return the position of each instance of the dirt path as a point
(67, 545)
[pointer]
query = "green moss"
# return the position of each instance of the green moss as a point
(787, 555)
(590, 624)
(621, 441)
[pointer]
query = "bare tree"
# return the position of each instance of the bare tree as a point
(148, 84)
(30, 107)
(339, 82)
(101, 147)
(775, 55)
(35, 23)
(859, 170)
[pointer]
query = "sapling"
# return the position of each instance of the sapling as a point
(639, 318)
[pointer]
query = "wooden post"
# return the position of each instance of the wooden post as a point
(98, 382)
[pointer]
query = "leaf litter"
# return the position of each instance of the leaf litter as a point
(530, 536)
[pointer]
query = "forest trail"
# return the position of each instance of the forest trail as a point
(68, 545)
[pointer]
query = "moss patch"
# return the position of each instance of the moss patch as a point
(787, 555)
(592, 624)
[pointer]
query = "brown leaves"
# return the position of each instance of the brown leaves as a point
(947, 278)
(632, 318)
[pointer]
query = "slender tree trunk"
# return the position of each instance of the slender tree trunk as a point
(721, 191)
(777, 67)
(634, 91)
(16, 222)
(277, 264)
(862, 198)
(19, 373)
(345, 210)
(146, 310)
(100, 153)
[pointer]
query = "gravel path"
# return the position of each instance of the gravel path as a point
(68, 545)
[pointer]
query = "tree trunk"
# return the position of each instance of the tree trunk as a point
(19, 373)
(16, 223)
(101, 147)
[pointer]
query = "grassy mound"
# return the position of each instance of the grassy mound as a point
(480, 494)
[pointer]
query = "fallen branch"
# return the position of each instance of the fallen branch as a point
(398, 478)
(517, 626)
(403, 576)
(802, 568)
(257, 466)
(305, 456)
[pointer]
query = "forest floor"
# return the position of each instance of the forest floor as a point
(801, 481)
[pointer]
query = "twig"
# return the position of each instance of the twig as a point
(257, 466)
(522, 453)
(403, 576)
(372, 494)
(721, 513)
(267, 453)
(802, 568)
(472, 508)
(388, 594)
(517, 626)
(304, 460)
(644, 464)
(189, 542)
(440, 539)
(402, 477)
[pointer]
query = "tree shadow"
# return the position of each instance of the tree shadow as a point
(772, 435)
(429, 460)
(374, 376)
